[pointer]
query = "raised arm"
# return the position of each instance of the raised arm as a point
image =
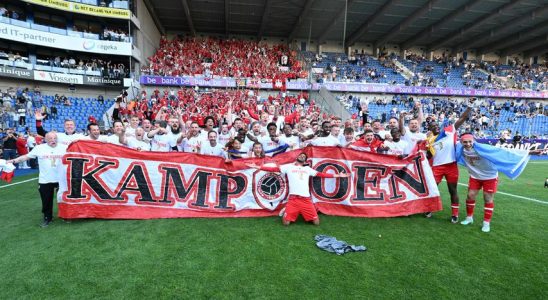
(463, 117)
(402, 123)
(39, 117)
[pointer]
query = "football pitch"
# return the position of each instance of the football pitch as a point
(407, 257)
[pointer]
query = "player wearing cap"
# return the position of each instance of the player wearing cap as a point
(299, 201)
(483, 163)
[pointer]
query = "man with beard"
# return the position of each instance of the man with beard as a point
(368, 143)
(442, 151)
(299, 201)
(160, 140)
(64, 138)
(211, 147)
(192, 141)
(174, 130)
(332, 139)
(137, 142)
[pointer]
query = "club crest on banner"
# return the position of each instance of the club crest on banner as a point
(269, 189)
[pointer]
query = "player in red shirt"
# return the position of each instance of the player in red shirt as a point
(299, 201)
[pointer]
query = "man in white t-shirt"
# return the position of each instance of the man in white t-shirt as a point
(49, 157)
(192, 142)
(396, 146)
(224, 136)
(94, 133)
(412, 134)
(137, 142)
(290, 138)
(64, 138)
(160, 140)
(133, 125)
(299, 201)
(211, 147)
(331, 140)
(118, 133)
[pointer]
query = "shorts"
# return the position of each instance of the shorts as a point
(298, 205)
(489, 185)
(450, 171)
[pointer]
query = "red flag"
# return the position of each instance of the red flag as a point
(7, 171)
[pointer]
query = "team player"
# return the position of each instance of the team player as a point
(299, 201)
(483, 163)
(49, 162)
(442, 151)
(64, 138)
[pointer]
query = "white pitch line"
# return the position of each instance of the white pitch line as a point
(16, 183)
(516, 196)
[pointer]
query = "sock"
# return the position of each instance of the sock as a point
(470, 204)
(488, 211)
(454, 209)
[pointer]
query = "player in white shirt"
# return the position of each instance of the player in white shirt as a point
(117, 133)
(133, 125)
(211, 147)
(298, 178)
(64, 138)
(94, 133)
(349, 137)
(331, 140)
(192, 142)
(272, 144)
(412, 134)
(49, 157)
(290, 138)
(224, 136)
(444, 164)
(396, 146)
(137, 142)
(484, 173)
(160, 140)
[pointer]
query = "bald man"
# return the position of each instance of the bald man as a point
(49, 157)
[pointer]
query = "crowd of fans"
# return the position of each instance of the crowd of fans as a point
(107, 68)
(213, 57)
(520, 75)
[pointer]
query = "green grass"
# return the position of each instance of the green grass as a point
(408, 257)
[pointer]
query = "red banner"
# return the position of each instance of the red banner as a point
(113, 182)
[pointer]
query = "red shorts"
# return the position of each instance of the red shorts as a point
(300, 205)
(450, 171)
(489, 185)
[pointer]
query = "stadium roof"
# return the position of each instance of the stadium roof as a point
(507, 26)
